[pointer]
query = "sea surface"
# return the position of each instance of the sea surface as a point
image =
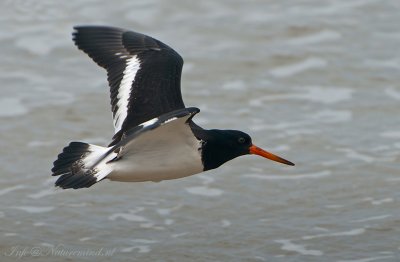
(317, 82)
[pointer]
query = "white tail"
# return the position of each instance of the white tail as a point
(82, 165)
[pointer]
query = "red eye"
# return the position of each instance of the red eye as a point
(241, 140)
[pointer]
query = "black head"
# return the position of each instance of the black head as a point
(220, 146)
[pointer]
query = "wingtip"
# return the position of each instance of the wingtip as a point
(193, 110)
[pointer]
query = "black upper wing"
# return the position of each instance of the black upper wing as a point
(143, 73)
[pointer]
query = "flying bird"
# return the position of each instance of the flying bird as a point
(155, 136)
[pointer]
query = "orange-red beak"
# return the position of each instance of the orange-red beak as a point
(258, 151)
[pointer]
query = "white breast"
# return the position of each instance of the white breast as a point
(168, 152)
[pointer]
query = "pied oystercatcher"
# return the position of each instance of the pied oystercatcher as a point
(155, 137)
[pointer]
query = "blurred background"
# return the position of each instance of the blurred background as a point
(316, 82)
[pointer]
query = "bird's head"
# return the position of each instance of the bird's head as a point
(221, 146)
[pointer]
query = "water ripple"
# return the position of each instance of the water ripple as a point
(320, 174)
(10, 189)
(353, 232)
(288, 245)
(34, 209)
(293, 69)
(204, 191)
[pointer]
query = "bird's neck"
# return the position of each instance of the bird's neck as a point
(212, 154)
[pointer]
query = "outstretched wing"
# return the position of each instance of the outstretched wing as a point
(186, 114)
(130, 137)
(143, 73)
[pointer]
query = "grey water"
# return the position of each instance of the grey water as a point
(317, 82)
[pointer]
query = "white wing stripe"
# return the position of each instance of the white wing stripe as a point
(132, 67)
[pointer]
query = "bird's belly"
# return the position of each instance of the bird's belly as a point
(150, 174)
(156, 166)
